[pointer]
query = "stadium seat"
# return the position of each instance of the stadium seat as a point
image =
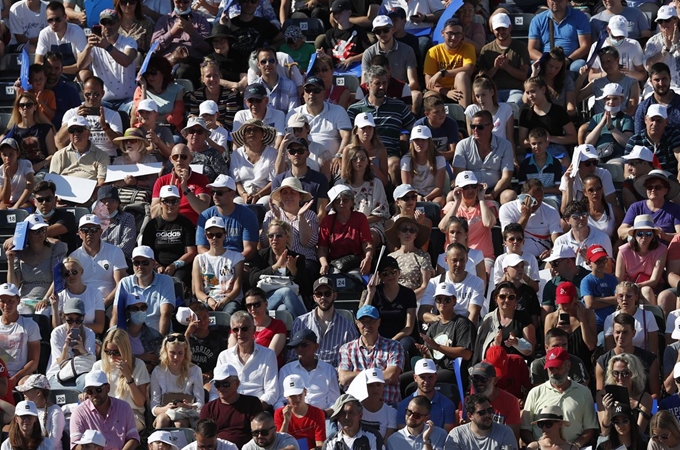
(7, 96)
(310, 27)
(346, 314)
(8, 220)
(284, 316)
(219, 321)
(10, 67)
(4, 120)
(520, 25)
(44, 323)
(63, 397)
(186, 84)
(259, 211)
(349, 81)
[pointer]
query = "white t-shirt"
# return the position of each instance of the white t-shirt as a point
(530, 267)
(119, 81)
(424, 179)
(284, 60)
(14, 340)
(670, 321)
(46, 444)
(26, 22)
(384, 418)
(73, 42)
(97, 136)
(253, 176)
(221, 445)
(98, 270)
(630, 54)
(500, 119)
(474, 257)
(57, 342)
(217, 272)
(54, 427)
(18, 181)
(469, 291)
(325, 128)
(595, 237)
(272, 117)
(642, 318)
(92, 299)
(220, 136)
(412, 7)
(541, 225)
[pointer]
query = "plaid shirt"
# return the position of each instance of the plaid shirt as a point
(284, 96)
(354, 356)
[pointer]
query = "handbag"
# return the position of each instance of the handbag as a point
(347, 263)
(269, 283)
(71, 369)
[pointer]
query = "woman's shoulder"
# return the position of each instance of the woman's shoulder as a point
(277, 326)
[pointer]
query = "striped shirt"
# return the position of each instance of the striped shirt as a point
(390, 118)
(284, 96)
(354, 357)
(339, 332)
(312, 219)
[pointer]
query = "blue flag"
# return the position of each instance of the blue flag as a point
(312, 60)
(459, 380)
(20, 235)
(23, 75)
(145, 63)
(449, 12)
(383, 11)
(58, 278)
(598, 46)
(122, 305)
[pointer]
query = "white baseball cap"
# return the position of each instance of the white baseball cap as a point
(293, 385)
(666, 12)
(169, 190)
(78, 121)
(560, 252)
(611, 89)
(214, 222)
(511, 260)
(618, 26)
(364, 120)
(657, 110)
(26, 408)
(587, 152)
(96, 378)
(207, 107)
(92, 437)
(8, 289)
(402, 190)
(640, 152)
(424, 366)
(374, 375)
(382, 21)
(89, 219)
(420, 132)
(144, 251)
(223, 181)
(147, 105)
(165, 437)
(298, 120)
(36, 222)
(224, 371)
(183, 315)
(466, 178)
(446, 289)
(500, 20)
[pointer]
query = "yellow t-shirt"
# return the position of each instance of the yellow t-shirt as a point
(439, 58)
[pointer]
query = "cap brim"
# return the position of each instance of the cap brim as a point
(289, 392)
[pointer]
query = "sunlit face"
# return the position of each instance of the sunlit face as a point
(553, 68)
(56, 20)
(456, 259)
(613, 100)
(655, 125)
(416, 415)
(278, 238)
(289, 197)
(26, 423)
(535, 93)
(621, 374)
(609, 63)
(483, 97)
(243, 330)
(516, 272)
(378, 86)
(176, 353)
(623, 335)
(592, 189)
(143, 267)
(514, 242)
(266, 62)
(453, 36)
(426, 382)
(359, 162)
(436, 116)
(210, 76)
(656, 188)
(365, 134)
(661, 82)
(457, 234)
(45, 200)
(626, 298)
(557, 6)
(93, 94)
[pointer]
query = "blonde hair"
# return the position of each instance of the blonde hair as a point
(637, 372)
(666, 420)
(633, 287)
(431, 156)
(38, 115)
(186, 362)
(120, 339)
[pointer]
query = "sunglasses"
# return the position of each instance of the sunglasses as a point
(214, 235)
(545, 424)
(296, 151)
(195, 131)
(470, 187)
(441, 299)
(515, 239)
(178, 157)
(90, 230)
(141, 307)
(583, 215)
(381, 30)
(408, 230)
(621, 422)
(112, 352)
(44, 199)
(344, 199)
(151, 73)
(388, 272)
(251, 130)
(106, 23)
(98, 390)
(644, 234)
(621, 374)
(409, 198)
(240, 329)
(222, 384)
(589, 163)
(633, 163)
(55, 20)
(128, 2)
(507, 296)
(415, 415)
(655, 187)
(264, 62)
(26, 105)
(39, 232)
(322, 294)
(92, 94)
(218, 193)
(663, 20)
(138, 263)
(176, 337)
(77, 321)
(166, 201)
(486, 412)
(312, 90)
(253, 305)
(254, 100)
(67, 273)
(262, 432)
(78, 130)
(479, 379)
(479, 126)
(275, 235)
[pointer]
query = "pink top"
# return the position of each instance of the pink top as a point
(636, 264)
(479, 237)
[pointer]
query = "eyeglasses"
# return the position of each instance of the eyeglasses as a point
(112, 352)
(621, 422)
(633, 163)
(545, 424)
(408, 230)
(91, 392)
(222, 384)
(590, 162)
(138, 263)
(486, 412)
(55, 20)
(168, 201)
(275, 235)
(388, 272)
(310, 90)
(344, 199)
(106, 23)
(44, 199)
(578, 216)
(621, 374)
(510, 297)
(140, 307)
(479, 126)
(77, 321)
(67, 273)
(470, 187)
(644, 234)
(655, 187)
(663, 20)
(515, 239)
(296, 151)
(264, 431)
(176, 337)
(322, 294)
(92, 94)
(78, 130)
(195, 131)
(253, 305)
(240, 329)
(409, 198)
(177, 157)
(251, 130)
(442, 299)
(415, 415)
(661, 437)
(264, 62)
(214, 235)
(254, 100)
(382, 30)
(39, 231)
(218, 193)
(128, 2)
(27, 105)
(90, 230)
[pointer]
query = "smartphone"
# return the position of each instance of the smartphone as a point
(288, 130)
(522, 197)
(564, 319)
(97, 30)
(74, 334)
(414, 17)
(186, 16)
(620, 393)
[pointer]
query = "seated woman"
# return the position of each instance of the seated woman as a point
(601, 214)
(217, 274)
(457, 232)
(291, 204)
(642, 259)
(423, 168)
(336, 95)
(553, 70)
(19, 336)
(144, 340)
(279, 260)
(158, 84)
(551, 422)
(176, 375)
(624, 430)
(345, 240)
(485, 96)
(405, 199)
(35, 388)
(625, 370)
(31, 268)
(364, 135)
(395, 302)
(646, 329)
(233, 70)
(16, 177)
(172, 236)
(415, 266)
(269, 332)
(122, 229)
(24, 431)
(127, 375)
(135, 149)
(665, 431)
(369, 192)
(68, 341)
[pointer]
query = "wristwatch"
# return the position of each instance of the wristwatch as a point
(186, 191)
(443, 73)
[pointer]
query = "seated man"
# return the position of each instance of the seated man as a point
(26, 19)
(250, 30)
(449, 66)
(61, 37)
(66, 95)
(662, 83)
(581, 234)
(395, 88)
(206, 437)
(482, 431)
(257, 107)
(265, 436)
(513, 242)
(320, 157)
(557, 337)
(483, 377)
(283, 93)
(418, 429)
(348, 412)
(563, 267)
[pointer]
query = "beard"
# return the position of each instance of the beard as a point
(558, 379)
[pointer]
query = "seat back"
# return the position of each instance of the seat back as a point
(7, 95)
(44, 324)
(310, 27)
(285, 316)
(9, 219)
(520, 25)
(219, 320)
(346, 313)
(259, 212)
(186, 84)
(64, 396)
(349, 81)
(4, 120)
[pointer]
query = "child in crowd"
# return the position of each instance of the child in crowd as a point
(296, 46)
(37, 79)
(540, 164)
(219, 136)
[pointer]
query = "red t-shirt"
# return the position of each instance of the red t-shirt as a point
(506, 405)
(264, 337)
(311, 427)
(196, 183)
(674, 249)
(518, 376)
(346, 238)
(9, 397)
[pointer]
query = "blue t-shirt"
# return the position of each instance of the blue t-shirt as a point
(67, 97)
(671, 404)
(443, 135)
(600, 287)
(443, 410)
(575, 24)
(666, 218)
(241, 225)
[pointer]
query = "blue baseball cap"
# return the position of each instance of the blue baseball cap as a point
(368, 311)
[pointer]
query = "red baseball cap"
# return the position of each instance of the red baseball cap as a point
(595, 252)
(498, 358)
(556, 357)
(565, 292)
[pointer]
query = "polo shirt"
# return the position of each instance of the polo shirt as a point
(324, 127)
(241, 225)
(400, 56)
(549, 174)
(337, 333)
(440, 57)
(258, 376)
(321, 383)
(574, 24)
(272, 117)
(118, 426)
(490, 169)
(541, 225)
(233, 420)
(98, 269)
(119, 81)
(469, 291)
(160, 292)
(594, 237)
(91, 165)
(391, 118)
(518, 55)
(443, 410)
(664, 150)
(673, 109)
(313, 182)
(600, 287)
(196, 183)
(577, 406)
(637, 22)
(550, 287)
(403, 440)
